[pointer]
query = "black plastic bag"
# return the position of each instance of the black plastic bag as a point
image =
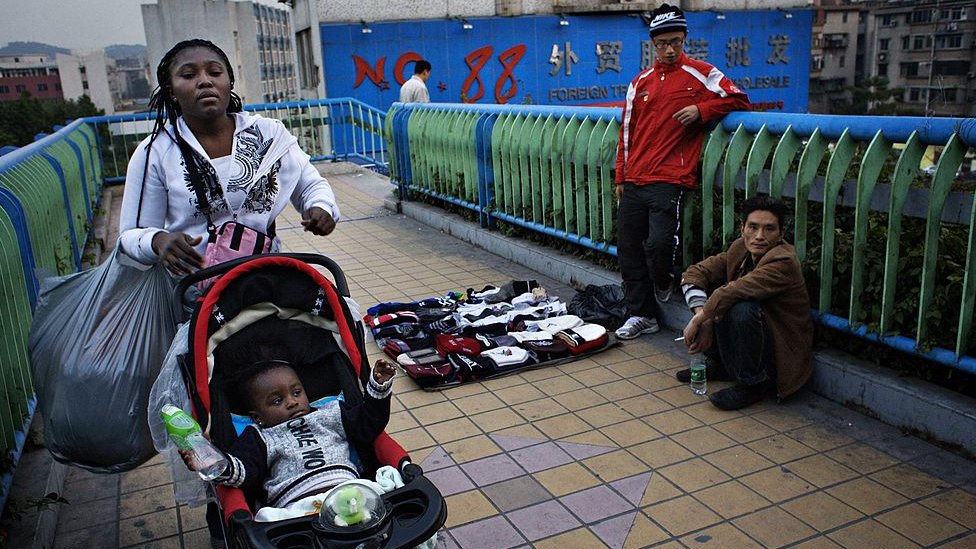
(603, 305)
(96, 345)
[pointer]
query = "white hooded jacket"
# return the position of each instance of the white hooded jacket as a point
(268, 165)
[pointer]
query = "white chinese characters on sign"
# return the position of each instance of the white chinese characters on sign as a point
(558, 59)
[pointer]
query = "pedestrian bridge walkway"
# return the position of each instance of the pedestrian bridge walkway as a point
(609, 451)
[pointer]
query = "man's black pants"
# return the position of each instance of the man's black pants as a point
(647, 239)
(744, 345)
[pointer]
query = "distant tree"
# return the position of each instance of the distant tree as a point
(872, 96)
(26, 117)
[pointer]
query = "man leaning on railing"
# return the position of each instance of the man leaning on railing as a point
(661, 135)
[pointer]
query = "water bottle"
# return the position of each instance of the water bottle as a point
(185, 432)
(699, 385)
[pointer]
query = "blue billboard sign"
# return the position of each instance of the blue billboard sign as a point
(571, 60)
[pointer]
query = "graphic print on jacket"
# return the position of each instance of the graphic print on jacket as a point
(260, 195)
(251, 149)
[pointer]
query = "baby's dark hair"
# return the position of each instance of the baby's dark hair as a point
(245, 366)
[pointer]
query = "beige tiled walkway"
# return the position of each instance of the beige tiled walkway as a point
(650, 464)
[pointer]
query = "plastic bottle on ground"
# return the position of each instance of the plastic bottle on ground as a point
(699, 383)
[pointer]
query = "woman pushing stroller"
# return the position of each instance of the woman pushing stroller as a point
(206, 162)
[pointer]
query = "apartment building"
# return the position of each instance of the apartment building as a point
(927, 48)
(34, 73)
(257, 38)
(90, 73)
(834, 54)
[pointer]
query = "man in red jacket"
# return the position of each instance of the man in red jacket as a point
(661, 138)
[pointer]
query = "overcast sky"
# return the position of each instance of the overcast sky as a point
(75, 24)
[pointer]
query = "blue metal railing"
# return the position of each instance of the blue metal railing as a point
(47, 193)
(550, 170)
(327, 129)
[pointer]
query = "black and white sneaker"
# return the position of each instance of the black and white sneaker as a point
(637, 326)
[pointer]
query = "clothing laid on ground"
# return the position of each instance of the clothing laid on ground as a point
(776, 284)
(307, 453)
(414, 91)
(657, 161)
(465, 337)
(266, 169)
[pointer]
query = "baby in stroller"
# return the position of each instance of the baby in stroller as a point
(282, 302)
(294, 452)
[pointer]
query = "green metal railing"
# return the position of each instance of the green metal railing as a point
(48, 193)
(550, 170)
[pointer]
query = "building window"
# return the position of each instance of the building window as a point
(883, 44)
(4, 89)
(843, 17)
(20, 88)
(942, 95)
(922, 16)
(921, 42)
(946, 41)
(888, 20)
(883, 70)
(841, 60)
(909, 69)
(951, 68)
(914, 94)
(42, 87)
(952, 14)
(905, 42)
(306, 65)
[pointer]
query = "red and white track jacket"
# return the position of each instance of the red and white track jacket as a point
(654, 147)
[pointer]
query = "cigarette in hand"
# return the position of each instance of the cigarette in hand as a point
(682, 338)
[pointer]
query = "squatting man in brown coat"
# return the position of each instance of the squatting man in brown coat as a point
(751, 311)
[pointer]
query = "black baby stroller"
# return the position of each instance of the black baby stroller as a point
(283, 298)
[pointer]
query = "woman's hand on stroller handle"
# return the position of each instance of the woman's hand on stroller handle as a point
(318, 221)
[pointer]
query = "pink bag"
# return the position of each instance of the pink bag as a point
(231, 241)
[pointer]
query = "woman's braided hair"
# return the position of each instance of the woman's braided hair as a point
(162, 103)
(167, 109)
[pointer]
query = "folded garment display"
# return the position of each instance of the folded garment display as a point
(471, 336)
(469, 368)
(449, 343)
(582, 339)
(427, 367)
(547, 349)
(388, 319)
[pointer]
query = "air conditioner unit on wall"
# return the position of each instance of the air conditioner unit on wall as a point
(882, 57)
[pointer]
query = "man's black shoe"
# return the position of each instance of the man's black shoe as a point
(739, 396)
(713, 372)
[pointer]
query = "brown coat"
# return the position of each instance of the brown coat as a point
(777, 284)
